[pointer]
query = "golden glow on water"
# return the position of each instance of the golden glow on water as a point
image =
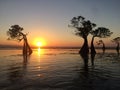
(38, 55)
(39, 75)
(38, 67)
(40, 51)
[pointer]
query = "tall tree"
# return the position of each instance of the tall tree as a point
(15, 33)
(82, 28)
(100, 32)
(117, 41)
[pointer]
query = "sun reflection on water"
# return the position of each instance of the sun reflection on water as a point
(39, 51)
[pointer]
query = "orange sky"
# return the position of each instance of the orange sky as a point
(48, 21)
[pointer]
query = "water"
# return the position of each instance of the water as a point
(58, 69)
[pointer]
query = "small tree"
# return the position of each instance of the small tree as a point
(117, 41)
(103, 45)
(82, 29)
(15, 33)
(100, 32)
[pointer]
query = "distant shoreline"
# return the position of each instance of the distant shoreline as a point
(3, 47)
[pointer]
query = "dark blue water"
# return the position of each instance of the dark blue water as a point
(58, 69)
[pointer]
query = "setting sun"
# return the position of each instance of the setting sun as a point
(39, 42)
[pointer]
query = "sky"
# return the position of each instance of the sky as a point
(47, 20)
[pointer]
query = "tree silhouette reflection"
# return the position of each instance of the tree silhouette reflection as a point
(92, 58)
(85, 59)
(16, 72)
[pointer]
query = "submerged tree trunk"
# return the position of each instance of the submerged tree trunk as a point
(85, 49)
(117, 48)
(93, 52)
(29, 50)
(92, 58)
(92, 46)
(24, 52)
(85, 58)
(103, 48)
(26, 48)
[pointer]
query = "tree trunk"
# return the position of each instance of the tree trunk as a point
(85, 49)
(117, 48)
(92, 46)
(93, 52)
(103, 48)
(26, 48)
(85, 59)
(92, 58)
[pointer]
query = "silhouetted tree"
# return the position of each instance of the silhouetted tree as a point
(82, 28)
(100, 32)
(101, 42)
(117, 41)
(15, 33)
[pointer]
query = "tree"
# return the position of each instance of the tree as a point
(117, 41)
(100, 32)
(101, 42)
(15, 33)
(82, 29)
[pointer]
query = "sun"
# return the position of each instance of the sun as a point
(39, 44)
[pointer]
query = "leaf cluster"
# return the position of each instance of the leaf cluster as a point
(116, 40)
(100, 42)
(101, 32)
(15, 32)
(83, 27)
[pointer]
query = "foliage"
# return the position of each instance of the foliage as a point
(100, 42)
(101, 32)
(83, 27)
(116, 40)
(15, 32)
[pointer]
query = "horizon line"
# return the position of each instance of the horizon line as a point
(52, 47)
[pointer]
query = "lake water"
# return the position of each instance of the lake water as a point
(58, 69)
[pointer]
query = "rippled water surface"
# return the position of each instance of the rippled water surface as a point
(58, 69)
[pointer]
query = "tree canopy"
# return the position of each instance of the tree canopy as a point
(101, 32)
(116, 40)
(83, 27)
(15, 32)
